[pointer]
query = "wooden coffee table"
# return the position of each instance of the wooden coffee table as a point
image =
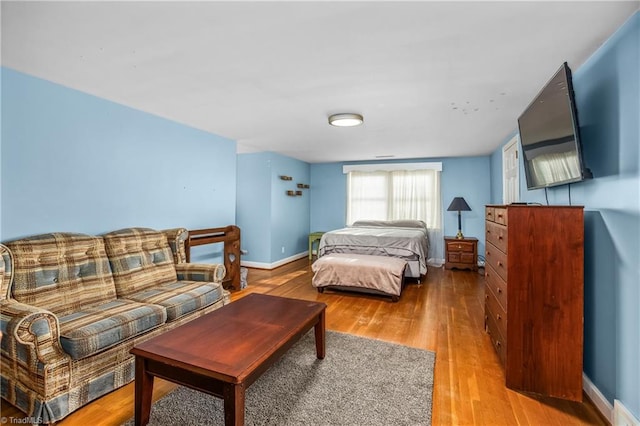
(222, 353)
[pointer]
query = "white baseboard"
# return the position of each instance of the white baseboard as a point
(436, 263)
(622, 416)
(263, 265)
(598, 399)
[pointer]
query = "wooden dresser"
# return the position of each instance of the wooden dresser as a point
(534, 274)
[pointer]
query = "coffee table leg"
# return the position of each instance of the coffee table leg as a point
(143, 392)
(320, 336)
(233, 404)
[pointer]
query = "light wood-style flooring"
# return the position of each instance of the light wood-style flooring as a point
(443, 313)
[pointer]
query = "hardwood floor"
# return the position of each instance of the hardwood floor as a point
(443, 313)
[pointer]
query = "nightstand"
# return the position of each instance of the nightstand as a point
(313, 237)
(461, 253)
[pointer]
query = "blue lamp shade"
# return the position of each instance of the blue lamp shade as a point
(460, 205)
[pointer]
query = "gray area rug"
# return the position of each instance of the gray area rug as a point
(360, 382)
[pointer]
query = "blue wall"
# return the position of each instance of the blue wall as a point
(607, 91)
(467, 177)
(75, 162)
(328, 197)
(253, 205)
(268, 217)
(289, 215)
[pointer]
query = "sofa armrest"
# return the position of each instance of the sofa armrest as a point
(201, 272)
(31, 350)
(6, 268)
(177, 238)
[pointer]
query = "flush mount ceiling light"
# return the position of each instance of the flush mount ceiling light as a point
(345, 120)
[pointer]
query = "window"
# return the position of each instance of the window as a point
(395, 194)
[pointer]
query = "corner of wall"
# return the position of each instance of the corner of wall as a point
(601, 403)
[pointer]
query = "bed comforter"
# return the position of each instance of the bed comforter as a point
(404, 239)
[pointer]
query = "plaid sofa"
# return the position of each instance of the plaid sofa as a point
(73, 305)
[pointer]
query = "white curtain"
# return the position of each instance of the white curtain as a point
(397, 195)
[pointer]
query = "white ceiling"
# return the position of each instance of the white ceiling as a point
(432, 79)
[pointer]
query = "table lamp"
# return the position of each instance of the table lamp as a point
(459, 204)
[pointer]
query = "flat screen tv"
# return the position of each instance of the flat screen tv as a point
(550, 135)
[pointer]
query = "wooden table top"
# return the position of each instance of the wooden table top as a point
(231, 342)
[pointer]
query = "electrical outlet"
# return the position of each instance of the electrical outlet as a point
(282, 249)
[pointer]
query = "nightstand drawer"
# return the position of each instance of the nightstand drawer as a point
(464, 246)
(468, 258)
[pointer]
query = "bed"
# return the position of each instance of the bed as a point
(406, 239)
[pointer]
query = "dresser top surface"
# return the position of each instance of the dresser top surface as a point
(533, 205)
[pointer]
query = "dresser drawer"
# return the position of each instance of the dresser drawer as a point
(497, 286)
(500, 215)
(497, 340)
(497, 260)
(497, 235)
(489, 213)
(494, 311)
(461, 246)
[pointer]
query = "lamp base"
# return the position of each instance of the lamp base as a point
(459, 235)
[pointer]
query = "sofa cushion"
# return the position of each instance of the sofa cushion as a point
(181, 297)
(140, 259)
(61, 272)
(92, 330)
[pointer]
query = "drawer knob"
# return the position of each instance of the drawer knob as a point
(498, 344)
(499, 263)
(499, 290)
(499, 237)
(459, 246)
(499, 316)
